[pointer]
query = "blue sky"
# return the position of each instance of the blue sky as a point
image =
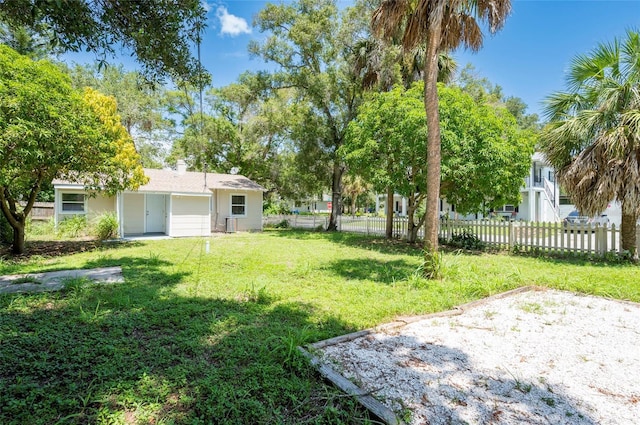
(527, 58)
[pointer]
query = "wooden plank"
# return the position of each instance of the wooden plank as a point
(340, 339)
(374, 406)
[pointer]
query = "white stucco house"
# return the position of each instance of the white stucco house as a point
(542, 200)
(173, 203)
(320, 204)
(540, 197)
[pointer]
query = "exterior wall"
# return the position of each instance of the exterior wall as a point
(190, 216)
(252, 220)
(399, 205)
(93, 206)
(133, 213)
(100, 205)
(309, 206)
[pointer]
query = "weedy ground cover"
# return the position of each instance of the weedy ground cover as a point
(196, 337)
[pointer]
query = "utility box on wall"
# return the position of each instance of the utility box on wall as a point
(232, 225)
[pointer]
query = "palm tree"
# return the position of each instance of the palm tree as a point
(412, 66)
(371, 61)
(353, 187)
(444, 25)
(593, 136)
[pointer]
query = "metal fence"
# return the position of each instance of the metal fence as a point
(522, 236)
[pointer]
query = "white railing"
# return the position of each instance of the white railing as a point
(551, 198)
(522, 236)
(535, 183)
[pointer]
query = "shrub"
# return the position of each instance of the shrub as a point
(284, 224)
(6, 231)
(73, 227)
(431, 266)
(466, 240)
(275, 208)
(41, 228)
(106, 226)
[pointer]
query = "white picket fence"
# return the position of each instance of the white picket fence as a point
(547, 237)
(523, 236)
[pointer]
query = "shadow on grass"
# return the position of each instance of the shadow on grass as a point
(447, 386)
(52, 248)
(374, 243)
(580, 259)
(386, 272)
(138, 353)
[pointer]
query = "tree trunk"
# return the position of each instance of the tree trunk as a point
(389, 228)
(412, 231)
(628, 233)
(413, 227)
(336, 196)
(18, 239)
(433, 148)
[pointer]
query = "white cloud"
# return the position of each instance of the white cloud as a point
(231, 24)
(206, 6)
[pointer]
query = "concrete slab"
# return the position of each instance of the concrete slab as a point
(54, 281)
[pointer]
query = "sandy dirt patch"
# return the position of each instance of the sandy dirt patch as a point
(535, 357)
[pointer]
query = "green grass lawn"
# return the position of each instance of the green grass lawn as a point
(195, 338)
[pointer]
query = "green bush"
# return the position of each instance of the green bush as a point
(73, 227)
(466, 240)
(106, 226)
(275, 208)
(6, 231)
(284, 224)
(41, 228)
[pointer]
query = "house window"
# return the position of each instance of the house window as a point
(238, 205)
(565, 200)
(73, 203)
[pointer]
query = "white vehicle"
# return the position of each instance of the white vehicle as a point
(575, 221)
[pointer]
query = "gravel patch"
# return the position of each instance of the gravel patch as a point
(534, 357)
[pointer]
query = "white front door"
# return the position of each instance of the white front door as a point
(155, 206)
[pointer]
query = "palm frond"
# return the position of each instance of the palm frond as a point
(461, 28)
(415, 31)
(494, 12)
(389, 18)
(630, 50)
(593, 138)
(560, 105)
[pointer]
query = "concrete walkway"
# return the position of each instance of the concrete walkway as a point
(54, 281)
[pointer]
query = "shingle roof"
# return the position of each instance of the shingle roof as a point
(191, 182)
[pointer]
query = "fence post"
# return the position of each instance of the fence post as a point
(511, 236)
(601, 240)
(314, 221)
(367, 222)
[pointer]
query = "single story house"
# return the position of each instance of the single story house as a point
(173, 203)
